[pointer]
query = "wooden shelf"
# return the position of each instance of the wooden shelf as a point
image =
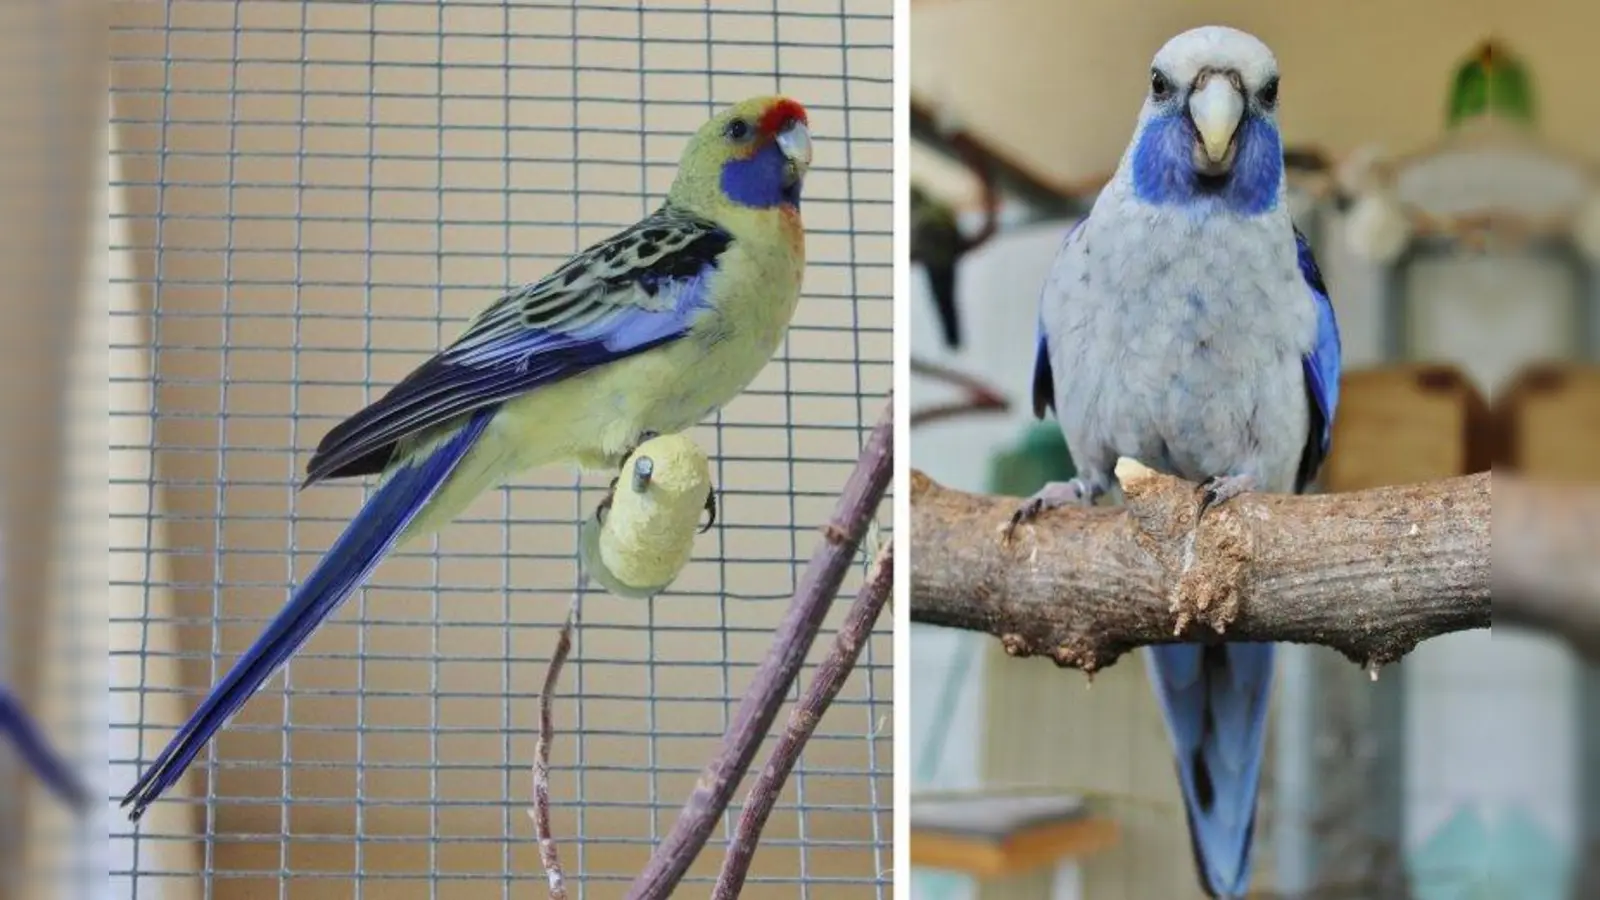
(998, 836)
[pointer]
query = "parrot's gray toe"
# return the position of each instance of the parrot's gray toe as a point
(711, 510)
(604, 506)
(1222, 488)
(1054, 495)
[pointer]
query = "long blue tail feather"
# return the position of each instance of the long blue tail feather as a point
(1215, 699)
(51, 769)
(365, 541)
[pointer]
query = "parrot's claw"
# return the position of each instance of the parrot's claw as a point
(605, 504)
(1220, 489)
(1054, 495)
(711, 510)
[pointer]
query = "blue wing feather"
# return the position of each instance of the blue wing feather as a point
(512, 363)
(569, 323)
(1321, 367)
(29, 741)
(1044, 387)
(365, 541)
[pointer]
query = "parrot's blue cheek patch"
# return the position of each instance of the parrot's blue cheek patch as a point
(1164, 175)
(758, 181)
(1253, 187)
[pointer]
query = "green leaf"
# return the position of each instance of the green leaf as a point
(1510, 93)
(1469, 96)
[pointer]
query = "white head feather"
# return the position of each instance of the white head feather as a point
(1216, 47)
(1211, 48)
(1216, 75)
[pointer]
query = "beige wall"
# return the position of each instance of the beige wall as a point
(1059, 83)
(250, 372)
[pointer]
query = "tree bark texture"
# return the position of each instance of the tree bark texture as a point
(1368, 573)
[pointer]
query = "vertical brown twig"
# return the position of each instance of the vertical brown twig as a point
(825, 686)
(818, 587)
(549, 852)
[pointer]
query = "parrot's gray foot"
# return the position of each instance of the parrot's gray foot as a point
(711, 510)
(1222, 488)
(1054, 495)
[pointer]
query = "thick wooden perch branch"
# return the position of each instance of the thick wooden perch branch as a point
(1369, 573)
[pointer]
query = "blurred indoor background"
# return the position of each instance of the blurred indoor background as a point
(1443, 162)
(52, 436)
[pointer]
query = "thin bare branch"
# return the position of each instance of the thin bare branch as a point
(1368, 573)
(979, 397)
(549, 851)
(842, 535)
(825, 686)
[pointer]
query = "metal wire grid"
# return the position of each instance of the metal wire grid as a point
(322, 193)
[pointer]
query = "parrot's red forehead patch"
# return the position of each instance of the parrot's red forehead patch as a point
(780, 114)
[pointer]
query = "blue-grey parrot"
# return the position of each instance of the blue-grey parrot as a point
(1185, 324)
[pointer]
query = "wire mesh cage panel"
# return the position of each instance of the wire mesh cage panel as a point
(315, 197)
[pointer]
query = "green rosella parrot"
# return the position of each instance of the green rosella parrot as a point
(643, 334)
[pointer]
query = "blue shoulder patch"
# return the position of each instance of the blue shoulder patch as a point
(1044, 385)
(1322, 367)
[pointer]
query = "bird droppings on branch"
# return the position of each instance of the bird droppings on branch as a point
(1369, 574)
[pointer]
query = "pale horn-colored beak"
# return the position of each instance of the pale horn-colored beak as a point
(1216, 109)
(794, 141)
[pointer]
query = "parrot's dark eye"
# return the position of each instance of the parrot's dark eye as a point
(1160, 85)
(737, 130)
(1268, 95)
